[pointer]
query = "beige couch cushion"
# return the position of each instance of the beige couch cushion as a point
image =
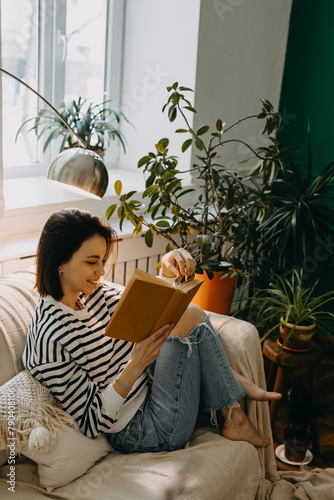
(71, 457)
(209, 468)
(18, 299)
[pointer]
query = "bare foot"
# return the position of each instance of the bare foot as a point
(240, 428)
(255, 392)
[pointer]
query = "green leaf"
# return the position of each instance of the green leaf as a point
(181, 131)
(172, 185)
(150, 190)
(162, 223)
(215, 176)
(164, 142)
(159, 147)
(231, 192)
(172, 112)
(175, 85)
(186, 191)
(199, 145)
(203, 130)
(186, 145)
(118, 187)
(110, 211)
(167, 176)
(186, 88)
(219, 125)
(257, 169)
(129, 194)
(144, 160)
(273, 173)
(155, 211)
(190, 108)
(149, 238)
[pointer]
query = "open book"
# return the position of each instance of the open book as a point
(148, 303)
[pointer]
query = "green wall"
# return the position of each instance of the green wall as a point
(308, 94)
(308, 81)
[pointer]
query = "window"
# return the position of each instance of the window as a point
(62, 48)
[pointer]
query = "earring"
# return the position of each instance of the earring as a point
(59, 271)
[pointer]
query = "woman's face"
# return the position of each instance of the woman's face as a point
(83, 271)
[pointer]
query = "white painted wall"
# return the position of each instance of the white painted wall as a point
(2, 201)
(160, 47)
(231, 50)
(241, 52)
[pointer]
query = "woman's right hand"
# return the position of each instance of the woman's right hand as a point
(148, 350)
(143, 354)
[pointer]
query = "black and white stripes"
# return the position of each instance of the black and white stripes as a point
(67, 351)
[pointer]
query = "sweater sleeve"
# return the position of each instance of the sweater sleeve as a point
(95, 410)
(171, 281)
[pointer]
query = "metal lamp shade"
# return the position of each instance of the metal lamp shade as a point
(82, 169)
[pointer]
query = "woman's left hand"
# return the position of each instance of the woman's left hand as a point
(178, 262)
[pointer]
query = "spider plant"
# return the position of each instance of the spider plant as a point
(95, 124)
(291, 302)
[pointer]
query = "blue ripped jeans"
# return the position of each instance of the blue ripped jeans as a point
(189, 372)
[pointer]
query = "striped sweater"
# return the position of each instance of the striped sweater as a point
(67, 351)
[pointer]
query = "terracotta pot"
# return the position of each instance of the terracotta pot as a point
(295, 449)
(215, 295)
(300, 339)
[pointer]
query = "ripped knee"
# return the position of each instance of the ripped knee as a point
(192, 316)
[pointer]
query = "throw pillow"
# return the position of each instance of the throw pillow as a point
(70, 458)
(27, 409)
(33, 423)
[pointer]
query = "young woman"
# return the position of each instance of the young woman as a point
(107, 384)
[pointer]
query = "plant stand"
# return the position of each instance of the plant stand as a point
(282, 366)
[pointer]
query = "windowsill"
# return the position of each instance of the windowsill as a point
(36, 198)
(31, 192)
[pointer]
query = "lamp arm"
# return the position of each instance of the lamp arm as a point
(80, 141)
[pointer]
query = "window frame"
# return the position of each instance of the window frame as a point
(51, 73)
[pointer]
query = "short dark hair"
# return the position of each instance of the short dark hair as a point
(63, 234)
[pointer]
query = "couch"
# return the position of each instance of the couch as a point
(209, 467)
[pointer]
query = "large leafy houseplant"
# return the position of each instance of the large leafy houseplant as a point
(291, 222)
(213, 225)
(95, 124)
(290, 304)
(302, 217)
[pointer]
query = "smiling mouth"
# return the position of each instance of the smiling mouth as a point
(95, 282)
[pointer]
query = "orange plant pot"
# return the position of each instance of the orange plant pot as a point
(215, 295)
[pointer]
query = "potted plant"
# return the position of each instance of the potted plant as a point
(301, 217)
(289, 220)
(292, 307)
(95, 124)
(213, 225)
(299, 417)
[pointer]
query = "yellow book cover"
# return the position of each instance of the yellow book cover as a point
(147, 303)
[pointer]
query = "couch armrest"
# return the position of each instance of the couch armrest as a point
(242, 345)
